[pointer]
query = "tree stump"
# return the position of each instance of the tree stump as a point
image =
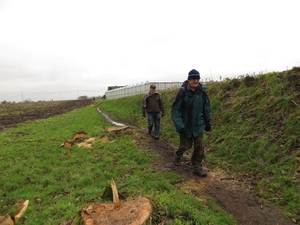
(134, 212)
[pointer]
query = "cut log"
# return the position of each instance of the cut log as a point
(79, 134)
(6, 220)
(112, 129)
(22, 207)
(68, 144)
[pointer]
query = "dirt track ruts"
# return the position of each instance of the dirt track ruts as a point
(230, 195)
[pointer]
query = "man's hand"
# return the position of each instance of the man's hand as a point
(143, 114)
(163, 114)
(207, 126)
(183, 131)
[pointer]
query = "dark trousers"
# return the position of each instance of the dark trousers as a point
(154, 120)
(198, 154)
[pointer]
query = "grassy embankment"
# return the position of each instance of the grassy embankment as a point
(255, 137)
(59, 182)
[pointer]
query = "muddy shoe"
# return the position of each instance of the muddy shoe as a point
(199, 172)
(176, 160)
(156, 137)
(149, 132)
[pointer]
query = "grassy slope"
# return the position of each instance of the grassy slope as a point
(58, 182)
(256, 132)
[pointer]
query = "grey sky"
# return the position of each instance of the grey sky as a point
(59, 49)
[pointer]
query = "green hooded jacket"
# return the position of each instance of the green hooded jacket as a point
(191, 110)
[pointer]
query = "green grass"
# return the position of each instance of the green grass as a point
(34, 166)
(256, 132)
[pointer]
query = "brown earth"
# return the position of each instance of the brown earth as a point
(32, 111)
(230, 194)
(233, 196)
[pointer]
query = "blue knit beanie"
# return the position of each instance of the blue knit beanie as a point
(194, 74)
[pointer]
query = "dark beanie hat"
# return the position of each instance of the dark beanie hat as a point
(194, 74)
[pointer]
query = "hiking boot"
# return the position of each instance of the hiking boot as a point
(156, 137)
(149, 132)
(176, 160)
(199, 172)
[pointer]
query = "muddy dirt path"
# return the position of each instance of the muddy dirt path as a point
(230, 195)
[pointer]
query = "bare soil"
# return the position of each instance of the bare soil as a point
(230, 194)
(32, 111)
(233, 196)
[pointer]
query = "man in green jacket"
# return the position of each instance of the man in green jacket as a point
(153, 104)
(191, 114)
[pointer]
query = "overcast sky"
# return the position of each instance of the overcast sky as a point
(62, 49)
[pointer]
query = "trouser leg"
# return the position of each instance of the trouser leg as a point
(150, 122)
(156, 124)
(198, 153)
(185, 144)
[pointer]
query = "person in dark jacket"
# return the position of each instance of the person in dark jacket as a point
(153, 105)
(191, 114)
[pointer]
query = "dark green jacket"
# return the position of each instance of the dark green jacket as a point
(191, 109)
